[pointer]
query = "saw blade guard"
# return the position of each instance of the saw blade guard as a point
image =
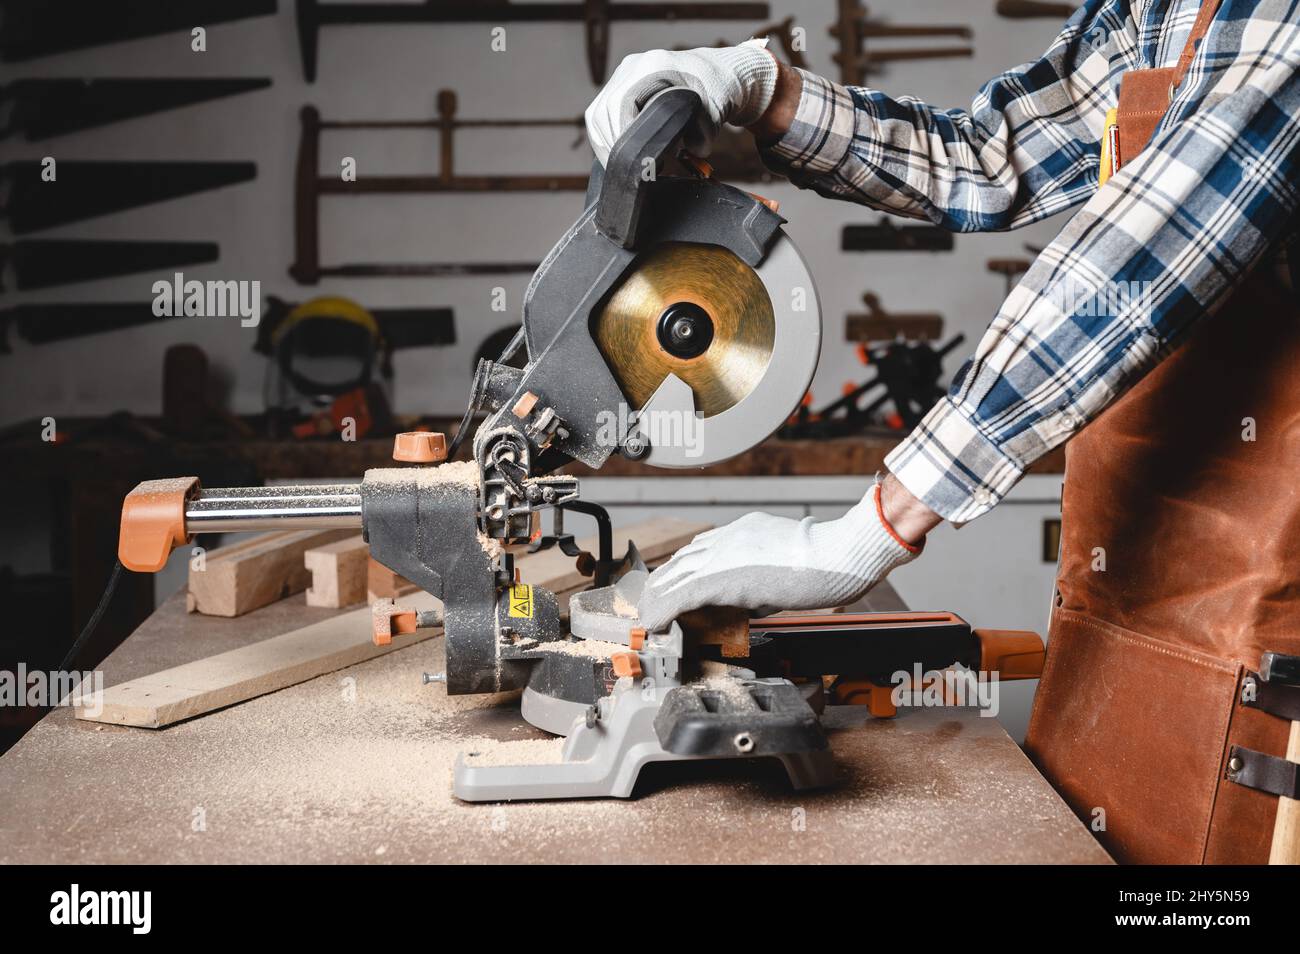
(725, 321)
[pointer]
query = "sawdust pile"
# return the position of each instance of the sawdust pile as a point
(622, 608)
(731, 689)
(520, 752)
(491, 547)
(464, 473)
(714, 669)
(593, 648)
(170, 485)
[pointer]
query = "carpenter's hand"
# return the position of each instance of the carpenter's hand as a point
(766, 564)
(735, 84)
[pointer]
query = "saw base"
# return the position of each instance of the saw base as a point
(651, 717)
(602, 757)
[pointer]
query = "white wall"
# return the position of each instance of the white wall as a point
(395, 72)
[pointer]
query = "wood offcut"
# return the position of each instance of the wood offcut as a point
(232, 580)
(206, 685)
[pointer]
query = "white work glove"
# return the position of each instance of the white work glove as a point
(768, 564)
(735, 83)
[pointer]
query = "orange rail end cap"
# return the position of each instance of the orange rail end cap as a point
(153, 522)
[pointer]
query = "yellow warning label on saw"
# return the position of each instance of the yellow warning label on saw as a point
(521, 601)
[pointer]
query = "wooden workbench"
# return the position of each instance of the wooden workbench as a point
(356, 766)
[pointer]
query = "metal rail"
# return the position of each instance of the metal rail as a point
(310, 507)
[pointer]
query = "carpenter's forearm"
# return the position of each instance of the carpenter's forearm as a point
(909, 517)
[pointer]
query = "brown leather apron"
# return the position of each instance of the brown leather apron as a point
(1180, 565)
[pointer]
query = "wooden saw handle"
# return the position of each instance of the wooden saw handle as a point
(1286, 830)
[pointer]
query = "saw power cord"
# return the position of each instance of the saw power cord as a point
(476, 394)
(95, 617)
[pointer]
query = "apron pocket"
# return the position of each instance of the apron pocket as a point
(1131, 731)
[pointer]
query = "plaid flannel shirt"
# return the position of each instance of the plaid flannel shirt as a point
(1157, 248)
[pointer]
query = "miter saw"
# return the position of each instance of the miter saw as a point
(673, 323)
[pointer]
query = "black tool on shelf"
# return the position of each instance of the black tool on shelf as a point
(43, 108)
(33, 28)
(1035, 9)
(86, 189)
(400, 327)
(908, 374)
(42, 263)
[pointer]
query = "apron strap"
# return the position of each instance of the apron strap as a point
(1201, 27)
(1264, 772)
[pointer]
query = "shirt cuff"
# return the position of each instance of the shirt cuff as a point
(949, 464)
(820, 134)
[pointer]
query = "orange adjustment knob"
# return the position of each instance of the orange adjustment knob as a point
(626, 664)
(420, 447)
(636, 637)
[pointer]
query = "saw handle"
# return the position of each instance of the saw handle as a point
(624, 184)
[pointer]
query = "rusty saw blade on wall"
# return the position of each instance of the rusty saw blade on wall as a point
(310, 187)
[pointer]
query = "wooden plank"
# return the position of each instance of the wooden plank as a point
(338, 573)
(183, 692)
(223, 680)
(723, 626)
(383, 584)
(236, 579)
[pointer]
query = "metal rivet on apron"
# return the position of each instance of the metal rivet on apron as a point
(1234, 764)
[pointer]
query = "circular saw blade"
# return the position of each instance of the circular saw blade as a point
(726, 351)
(737, 317)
